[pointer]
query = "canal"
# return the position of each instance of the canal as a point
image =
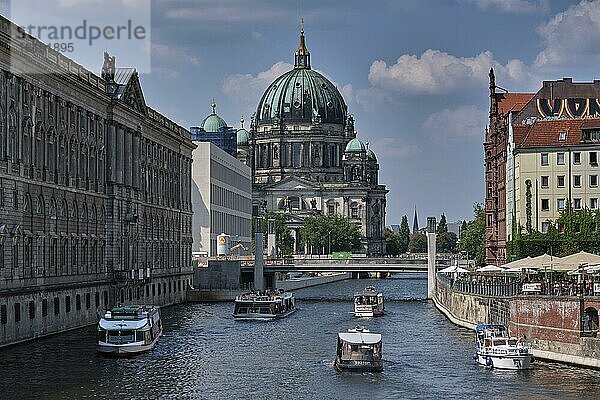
(205, 354)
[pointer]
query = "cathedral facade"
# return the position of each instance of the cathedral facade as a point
(306, 158)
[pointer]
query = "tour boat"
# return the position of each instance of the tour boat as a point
(358, 350)
(129, 330)
(368, 303)
(264, 305)
(496, 349)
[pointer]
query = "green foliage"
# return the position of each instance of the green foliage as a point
(283, 237)
(324, 231)
(472, 240)
(404, 234)
(573, 231)
(417, 243)
(392, 242)
(442, 225)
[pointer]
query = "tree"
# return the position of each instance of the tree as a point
(324, 233)
(442, 225)
(473, 236)
(392, 242)
(404, 235)
(283, 237)
(418, 243)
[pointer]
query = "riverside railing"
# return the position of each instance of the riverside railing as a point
(493, 288)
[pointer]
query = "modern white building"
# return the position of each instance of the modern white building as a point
(221, 200)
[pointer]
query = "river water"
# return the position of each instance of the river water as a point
(205, 354)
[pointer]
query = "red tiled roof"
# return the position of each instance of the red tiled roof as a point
(508, 102)
(519, 132)
(545, 133)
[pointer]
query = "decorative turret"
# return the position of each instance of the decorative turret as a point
(302, 56)
(493, 100)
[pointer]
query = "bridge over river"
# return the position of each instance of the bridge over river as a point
(362, 264)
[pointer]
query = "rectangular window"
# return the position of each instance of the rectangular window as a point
(68, 304)
(545, 226)
(88, 302)
(97, 299)
(44, 307)
(577, 158)
(545, 205)
(593, 158)
(354, 212)
(562, 136)
(105, 298)
(545, 181)
(544, 158)
(3, 314)
(56, 306)
(31, 309)
(560, 158)
(560, 181)
(17, 312)
(576, 181)
(593, 180)
(330, 209)
(594, 203)
(560, 204)
(577, 204)
(78, 302)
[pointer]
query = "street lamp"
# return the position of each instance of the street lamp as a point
(329, 240)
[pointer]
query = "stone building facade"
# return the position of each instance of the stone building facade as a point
(95, 204)
(524, 147)
(306, 158)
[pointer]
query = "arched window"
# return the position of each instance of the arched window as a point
(589, 322)
(39, 205)
(27, 203)
(13, 143)
(39, 145)
(73, 210)
(52, 208)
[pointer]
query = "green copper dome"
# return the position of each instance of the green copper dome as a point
(213, 123)
(355, 146)
(242, 137)
(301, 95)
(371, 155)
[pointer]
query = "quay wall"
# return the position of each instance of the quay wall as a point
(32, 314)
(551, 326)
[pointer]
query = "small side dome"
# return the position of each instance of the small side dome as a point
(355, 146)
(242, 137)
(213, 123)
(371, 155)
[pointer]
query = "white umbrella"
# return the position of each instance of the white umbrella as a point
(576, 260)
(522, 263)
(453, 269)
(490, 268)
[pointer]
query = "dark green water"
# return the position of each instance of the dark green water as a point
(205, 354)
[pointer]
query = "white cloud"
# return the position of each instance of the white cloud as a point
(348, 93)
(464, 123)
(247, 88)
(511, 6)
(394, 147)
(571, 36)
(174, 55)
(436, 72)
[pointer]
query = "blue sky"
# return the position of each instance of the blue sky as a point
(413, 73)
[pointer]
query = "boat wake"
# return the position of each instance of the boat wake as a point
(348, 299)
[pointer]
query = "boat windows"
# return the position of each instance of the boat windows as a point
(139, 336)
(102, 335)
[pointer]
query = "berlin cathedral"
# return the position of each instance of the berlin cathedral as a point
(306, 158)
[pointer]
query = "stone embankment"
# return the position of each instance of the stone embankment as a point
(556, 328)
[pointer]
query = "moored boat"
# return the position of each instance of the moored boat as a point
(129, 330)
(264, 305)
(496, 349)
(359, 350)
(368, 303)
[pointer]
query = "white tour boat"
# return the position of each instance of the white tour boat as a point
(496, 349)
(263, 305)
(368, 303)
(358, 350)
(129, 330)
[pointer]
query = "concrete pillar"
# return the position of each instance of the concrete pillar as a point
(431, 253)
(258, 262)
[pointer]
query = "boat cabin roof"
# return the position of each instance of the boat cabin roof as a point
(122, 325)
(494, 327)
(269, 295)
(369, 291)
(359, 335)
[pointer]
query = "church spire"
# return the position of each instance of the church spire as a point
(302, 56)
(415, 222)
